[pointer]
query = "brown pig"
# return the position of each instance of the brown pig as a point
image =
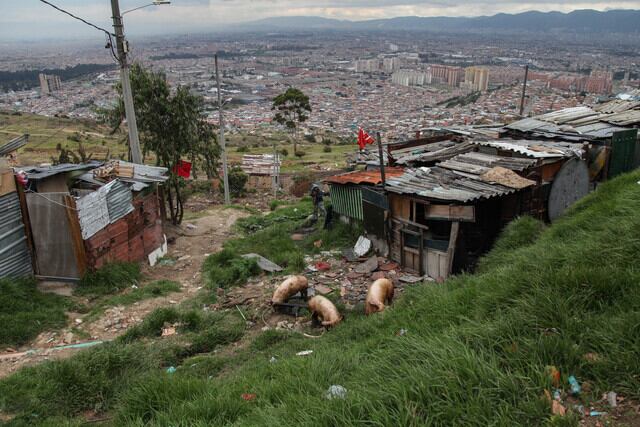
(380, 293)
(288, 288)
(324, 309)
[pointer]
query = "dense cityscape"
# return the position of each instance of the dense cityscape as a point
(388, 83)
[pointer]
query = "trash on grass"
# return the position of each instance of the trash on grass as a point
(171, 370)
(575, 386)
(304, 353)
(402, 332)
(248, 396)
(612, 398)
(322, 266)
(168, 331)
(362, 246)
(554, 374)
(596, 413)
(273, 359)
(336, 392)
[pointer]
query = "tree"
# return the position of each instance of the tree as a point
(292, 108)
(172, 126)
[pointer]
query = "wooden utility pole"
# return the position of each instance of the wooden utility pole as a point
(123, 48)
(524, 88)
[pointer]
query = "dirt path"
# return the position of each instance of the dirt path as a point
(194, 240)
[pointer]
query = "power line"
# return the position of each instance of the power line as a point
(75, 17)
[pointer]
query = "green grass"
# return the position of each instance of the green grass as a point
(25, 311)
(109, 279)
(474, 353)
(150, 290)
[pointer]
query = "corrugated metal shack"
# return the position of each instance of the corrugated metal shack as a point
(83, 216)
(346, 190)
(263, 170)
(443, 217)
(611, 129)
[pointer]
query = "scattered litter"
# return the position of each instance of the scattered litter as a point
(134, 287)
(378, 275)
(311, 268)
(554, 374)
(407, 278)
(78, 321)
(591, 357)
(248, 396)
(612, 398)
(580, 409)
(167, 261)
(402, 332)
(388, 266)
(322, 289)
(336, 392)
(191, 227)
(264, 263)
(168, 331)
(184, 258)
(557, 395)
(369, 266)
(322, 266)
(596, 413)
(557, 408)
(297, 237)
(304, 353)
(350, 255)
(317, 243)
(171, 370)
(575, 386)
(273, 359)
(362, 246)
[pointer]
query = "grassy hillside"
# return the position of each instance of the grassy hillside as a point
(45, 133)
(473, 351)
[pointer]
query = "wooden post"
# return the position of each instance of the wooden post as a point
(382, 176)
(453, 237)
(524, 88)
(24, 210)
(76, 234)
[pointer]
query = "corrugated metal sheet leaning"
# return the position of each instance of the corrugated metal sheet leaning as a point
(14, 144)
(263, 164)
(15, 259)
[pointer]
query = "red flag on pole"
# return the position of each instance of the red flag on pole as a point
(364, 138)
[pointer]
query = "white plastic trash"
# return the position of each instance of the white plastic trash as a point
(336, 392)
(362, 246)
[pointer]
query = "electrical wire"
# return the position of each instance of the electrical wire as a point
(50, 200)
(75, 17)
(106, 32)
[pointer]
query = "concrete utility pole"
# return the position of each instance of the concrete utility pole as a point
(225, 175)
(123, 49)
(524, 88)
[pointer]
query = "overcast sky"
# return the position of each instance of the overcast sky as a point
(31, 19)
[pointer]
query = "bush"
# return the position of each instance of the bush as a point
(300, 153)
(109, 279)
(284, 152)
(243, 149)
(326, 149)
(237, 181)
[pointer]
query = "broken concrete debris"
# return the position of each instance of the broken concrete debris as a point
(369, 266)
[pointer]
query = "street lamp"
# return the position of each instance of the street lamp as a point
(155, 3)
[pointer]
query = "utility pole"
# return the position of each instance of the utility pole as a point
(123, 49)
(382, 175)
(276, 171)
(225, 176)
(524, 88)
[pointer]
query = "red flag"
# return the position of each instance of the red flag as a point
(182, 169)
(364, 138)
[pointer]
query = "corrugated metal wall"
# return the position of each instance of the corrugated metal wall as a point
(15, 259)
(346, 200)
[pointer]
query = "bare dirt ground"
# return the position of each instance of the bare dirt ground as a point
(194, 240)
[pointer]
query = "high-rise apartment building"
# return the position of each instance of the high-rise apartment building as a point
(49, 83)
(476, 78)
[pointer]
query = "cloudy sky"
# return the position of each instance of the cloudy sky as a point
(31, 19)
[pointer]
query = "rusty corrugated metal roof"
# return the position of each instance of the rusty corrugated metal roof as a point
(371, 177)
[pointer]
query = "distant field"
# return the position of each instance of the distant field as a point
(45, 133)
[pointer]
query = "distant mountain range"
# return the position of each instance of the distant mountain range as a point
(583, 21)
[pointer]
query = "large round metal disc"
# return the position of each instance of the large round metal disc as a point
(571, 183)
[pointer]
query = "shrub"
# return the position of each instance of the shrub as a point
(300, 153)
(326, 149)
(237, 181)
(226, 268)
(284, 152)
(243, 149)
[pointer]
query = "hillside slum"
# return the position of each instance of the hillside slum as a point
(443, 197)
